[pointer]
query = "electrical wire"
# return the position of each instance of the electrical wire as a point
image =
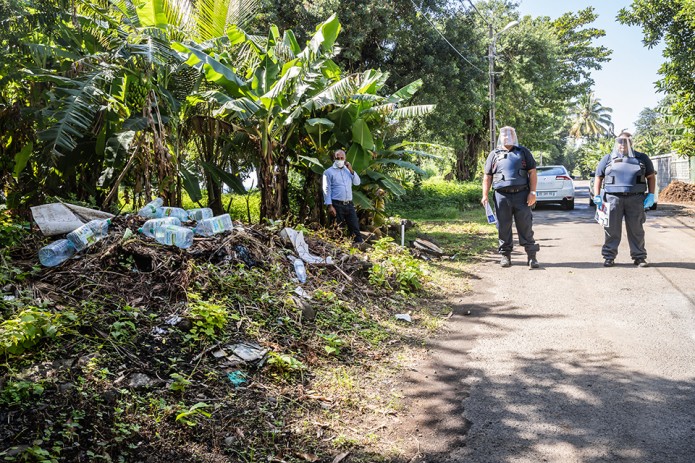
(445, 39)
(477, 11)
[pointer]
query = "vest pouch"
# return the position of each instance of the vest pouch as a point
(496, 178)
(522, 173)
(609, 180)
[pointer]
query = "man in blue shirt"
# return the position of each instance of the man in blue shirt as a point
(337, 194)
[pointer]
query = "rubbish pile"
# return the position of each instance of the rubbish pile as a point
(128, 248)
(164, 225)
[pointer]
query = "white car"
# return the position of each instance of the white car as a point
(555, 185)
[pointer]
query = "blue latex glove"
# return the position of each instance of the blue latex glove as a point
(598, 200)
(649, 201)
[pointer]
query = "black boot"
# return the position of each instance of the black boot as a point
(532, 262)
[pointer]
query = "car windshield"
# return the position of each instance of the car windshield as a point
(552, 170)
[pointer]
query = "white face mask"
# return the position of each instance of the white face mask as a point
(339, 163)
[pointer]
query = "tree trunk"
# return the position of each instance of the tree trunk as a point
(311, 207)
(214, 195)
(467, 158)
(273, 180)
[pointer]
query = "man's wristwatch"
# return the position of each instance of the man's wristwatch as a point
(533, 193)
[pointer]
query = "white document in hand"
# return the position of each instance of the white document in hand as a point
(602, 216)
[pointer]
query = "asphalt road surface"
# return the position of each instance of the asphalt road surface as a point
(572, 362)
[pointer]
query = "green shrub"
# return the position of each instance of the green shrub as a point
(207, 317)
(30, 326)
(11, 230)
(395, 268)
(17, 392)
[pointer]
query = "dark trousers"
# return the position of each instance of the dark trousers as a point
(345, 214)
(513, 206)
(631, 208)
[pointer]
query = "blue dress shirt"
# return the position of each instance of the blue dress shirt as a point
(337, 184)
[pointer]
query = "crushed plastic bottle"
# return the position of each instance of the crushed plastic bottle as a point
(299, 268)
(175, 235)
(89, 233)
(177, 212)
(199, 213)
(56, 253)
(149, 227)
(150, 209)
(213, 225)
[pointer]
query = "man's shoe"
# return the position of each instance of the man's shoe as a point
(533, 263)
(641, 262)
(505, 261)
(608, 263)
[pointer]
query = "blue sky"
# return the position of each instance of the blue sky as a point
(626, 83)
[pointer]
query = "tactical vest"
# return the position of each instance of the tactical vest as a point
(625, 175)
(508, 171)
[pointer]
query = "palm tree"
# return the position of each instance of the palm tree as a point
(590, 118)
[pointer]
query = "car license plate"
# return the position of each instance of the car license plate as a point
(545, 193)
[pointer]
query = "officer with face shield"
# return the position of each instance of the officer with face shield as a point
(511, 170)
(625, 176)
(337, 194)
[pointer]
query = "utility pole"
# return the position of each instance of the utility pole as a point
(491, 71)
(491, 90)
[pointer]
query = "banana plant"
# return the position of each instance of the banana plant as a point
(261, 99)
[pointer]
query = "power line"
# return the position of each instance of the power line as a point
(445, 39)
(477, 11)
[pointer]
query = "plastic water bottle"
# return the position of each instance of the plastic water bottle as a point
(213, 225)
(149, 227)
(56, 253)
(181, 237)
(490, 215)
(199, 213)
(89, 233)
(177, 212)
(300, 270)
(150, 209)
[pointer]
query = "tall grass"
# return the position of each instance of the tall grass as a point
(437, 199)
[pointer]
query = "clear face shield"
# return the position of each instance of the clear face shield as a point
(507, 137)
(623, 147)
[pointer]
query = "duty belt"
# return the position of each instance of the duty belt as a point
(624, 194)
(512, 189)
(339, 201)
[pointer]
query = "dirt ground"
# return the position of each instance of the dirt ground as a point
(678, 192)
(573, 362)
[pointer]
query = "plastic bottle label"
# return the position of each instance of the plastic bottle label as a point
(85, 235)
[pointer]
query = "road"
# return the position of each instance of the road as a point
(572, 362)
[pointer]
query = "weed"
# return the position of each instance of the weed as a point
(207, 318)
(30, 326)
(191, 415)
(284, 365)
(394, 266)
(122, 330)
(334, 343)
(18, 392)
(179, 382)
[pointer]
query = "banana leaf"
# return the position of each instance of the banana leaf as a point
(220, 175)
(191, 184)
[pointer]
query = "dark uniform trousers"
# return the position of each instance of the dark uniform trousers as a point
(345, 214)
(631, 207)
(514, 205)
